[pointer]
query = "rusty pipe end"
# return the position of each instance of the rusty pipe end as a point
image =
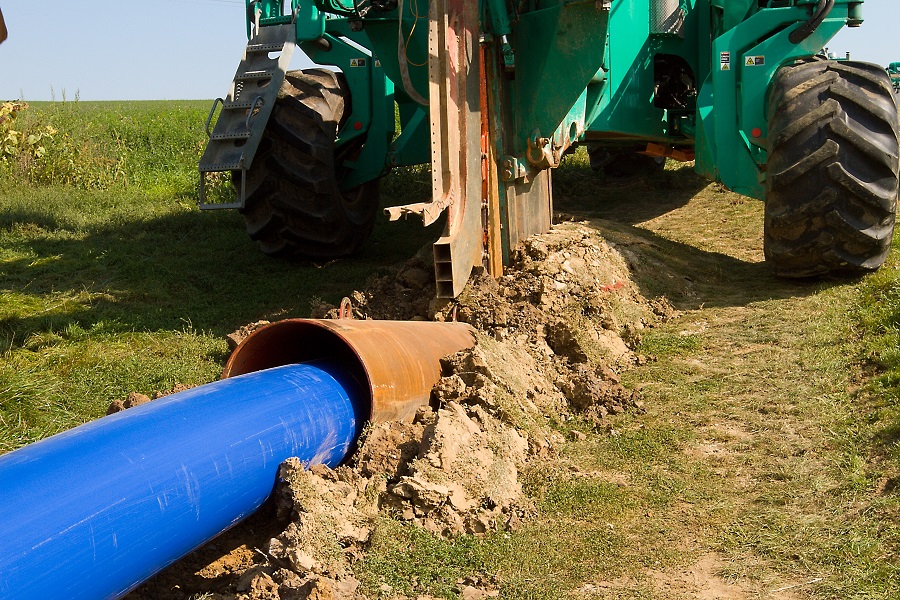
(396, 362)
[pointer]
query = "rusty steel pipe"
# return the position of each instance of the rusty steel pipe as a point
(398, 362)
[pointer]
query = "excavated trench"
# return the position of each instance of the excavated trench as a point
(553, 335)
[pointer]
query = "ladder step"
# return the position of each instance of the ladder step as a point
(240, 104)
(265, 47)
(253, 75)
(218, 167)
(231, 135)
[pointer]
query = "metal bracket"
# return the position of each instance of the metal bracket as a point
(511, 169)
(212, 111)
(541, 152)
(346, 310)
(429, 212)
(238, 204)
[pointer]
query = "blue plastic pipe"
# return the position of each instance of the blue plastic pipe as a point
(93, 512)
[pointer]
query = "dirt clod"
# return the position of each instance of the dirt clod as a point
(135, 398)
(235, 338)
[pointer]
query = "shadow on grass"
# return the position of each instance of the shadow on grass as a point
(187, 270)
(692, 278)
(688, 276)
(888, 438)
(184, 270)
(579, 191)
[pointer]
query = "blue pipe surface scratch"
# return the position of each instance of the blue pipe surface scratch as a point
(92, 512)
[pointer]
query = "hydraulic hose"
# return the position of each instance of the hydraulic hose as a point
(808, 28)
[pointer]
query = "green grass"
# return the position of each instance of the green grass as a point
(772, 437)
(681, 343)
(772, 433)
(878, 315)
(153, 145)
(438, 564)
(803, 396)
(127, 286)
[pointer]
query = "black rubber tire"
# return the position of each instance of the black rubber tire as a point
(832, 173)
(294, 206)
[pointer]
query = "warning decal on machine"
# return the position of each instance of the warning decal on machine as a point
(357, 62)
(755, 61)
(725, 60)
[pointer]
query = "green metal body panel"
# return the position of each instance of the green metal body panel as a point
(732, 106)
(731, 96)
(894, 72)
(412, 145)
(571, 71)
(382, 36)
(372, 113)
(624, 108)
(558, 50)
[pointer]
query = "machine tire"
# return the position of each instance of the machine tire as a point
(831, 189)
(295, 207)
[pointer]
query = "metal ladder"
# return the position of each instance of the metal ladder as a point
(246, 110)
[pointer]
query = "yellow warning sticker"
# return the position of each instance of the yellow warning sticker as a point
(725, 60)
(755, 61)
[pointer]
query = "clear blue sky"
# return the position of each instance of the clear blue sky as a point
(187, 49)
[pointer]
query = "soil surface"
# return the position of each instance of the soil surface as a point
(559, 342)
(554, 333)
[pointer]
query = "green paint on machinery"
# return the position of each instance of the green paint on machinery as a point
(894, 71)
(494, 93)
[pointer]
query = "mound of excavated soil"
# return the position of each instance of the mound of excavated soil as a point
(553, 334)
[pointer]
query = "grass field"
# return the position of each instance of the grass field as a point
(114, 281)
(769, 455)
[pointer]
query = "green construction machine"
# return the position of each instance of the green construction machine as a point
(894, 72)
(493, 93)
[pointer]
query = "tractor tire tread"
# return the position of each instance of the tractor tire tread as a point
(833, 169)
(295, 207)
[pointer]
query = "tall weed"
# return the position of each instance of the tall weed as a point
(151, 146)
(21, 143)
